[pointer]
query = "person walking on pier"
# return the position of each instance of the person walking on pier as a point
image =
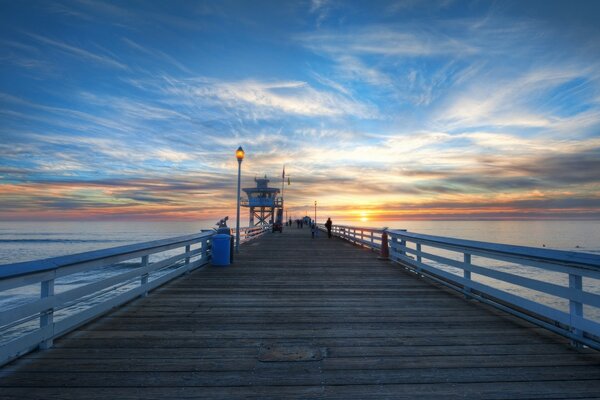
(328, 225)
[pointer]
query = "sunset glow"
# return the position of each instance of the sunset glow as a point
(404, 110)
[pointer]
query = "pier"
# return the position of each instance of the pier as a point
(296, 317)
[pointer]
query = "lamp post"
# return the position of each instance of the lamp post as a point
(239, 154)
(315, 212)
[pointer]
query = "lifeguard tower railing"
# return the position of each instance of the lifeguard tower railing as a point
(555, 289)
(45, 299)
(262, 202)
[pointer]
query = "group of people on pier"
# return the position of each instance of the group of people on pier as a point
(313, 226)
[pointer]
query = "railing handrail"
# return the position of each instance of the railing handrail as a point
(562, 257)
(43, 265)
(363, 228)
(249, 233)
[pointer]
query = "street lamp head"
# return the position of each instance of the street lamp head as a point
(239, 154)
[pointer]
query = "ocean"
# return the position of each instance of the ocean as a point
(25, 241)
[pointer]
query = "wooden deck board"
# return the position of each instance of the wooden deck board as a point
(381, 333)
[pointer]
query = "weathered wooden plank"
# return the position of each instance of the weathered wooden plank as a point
(82, 341)
(302, 374)
(249, 362)
(553, 349)
(500, 390)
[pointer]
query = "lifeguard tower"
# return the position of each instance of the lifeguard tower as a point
(263, 202)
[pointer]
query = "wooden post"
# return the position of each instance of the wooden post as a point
(144, 281)
(575, 307)
(187, 259)
(418, 256)
(47, 316)
(394, 250)
(205, 249)
(403, 243)
(467, 274)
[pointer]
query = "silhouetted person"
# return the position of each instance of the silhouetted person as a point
(328, 225)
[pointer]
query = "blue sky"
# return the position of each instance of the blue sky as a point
(385, 109)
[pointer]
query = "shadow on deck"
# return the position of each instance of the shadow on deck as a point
(297, 317)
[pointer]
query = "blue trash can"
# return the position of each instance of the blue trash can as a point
(220, 249)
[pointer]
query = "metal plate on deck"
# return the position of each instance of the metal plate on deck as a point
(289, 353)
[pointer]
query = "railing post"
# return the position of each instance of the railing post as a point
(47, 316)
(418, 256)
(187, 259)
(144, 280)
(372, 240)
(403, 243)
(467, 274)
(575, 307)
(394, 246)
(205, 248)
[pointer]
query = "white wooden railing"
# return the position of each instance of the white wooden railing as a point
(362, 236)
(250, 233)
(512, 278)
(58, 301)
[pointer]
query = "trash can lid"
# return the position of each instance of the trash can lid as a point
(221, 236)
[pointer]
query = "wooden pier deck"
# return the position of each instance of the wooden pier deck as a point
(301, 318)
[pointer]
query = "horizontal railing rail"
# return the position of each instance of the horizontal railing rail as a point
(362, 236)
(250, 233)
(512, 278)
(45, 299)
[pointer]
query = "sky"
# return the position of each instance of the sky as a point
(379, 110)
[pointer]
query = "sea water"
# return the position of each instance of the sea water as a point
(25, 241)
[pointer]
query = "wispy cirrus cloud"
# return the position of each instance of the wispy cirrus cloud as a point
(383, 40)
(521, 101)
(158, 54)
(96, 58)
(266, 99)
